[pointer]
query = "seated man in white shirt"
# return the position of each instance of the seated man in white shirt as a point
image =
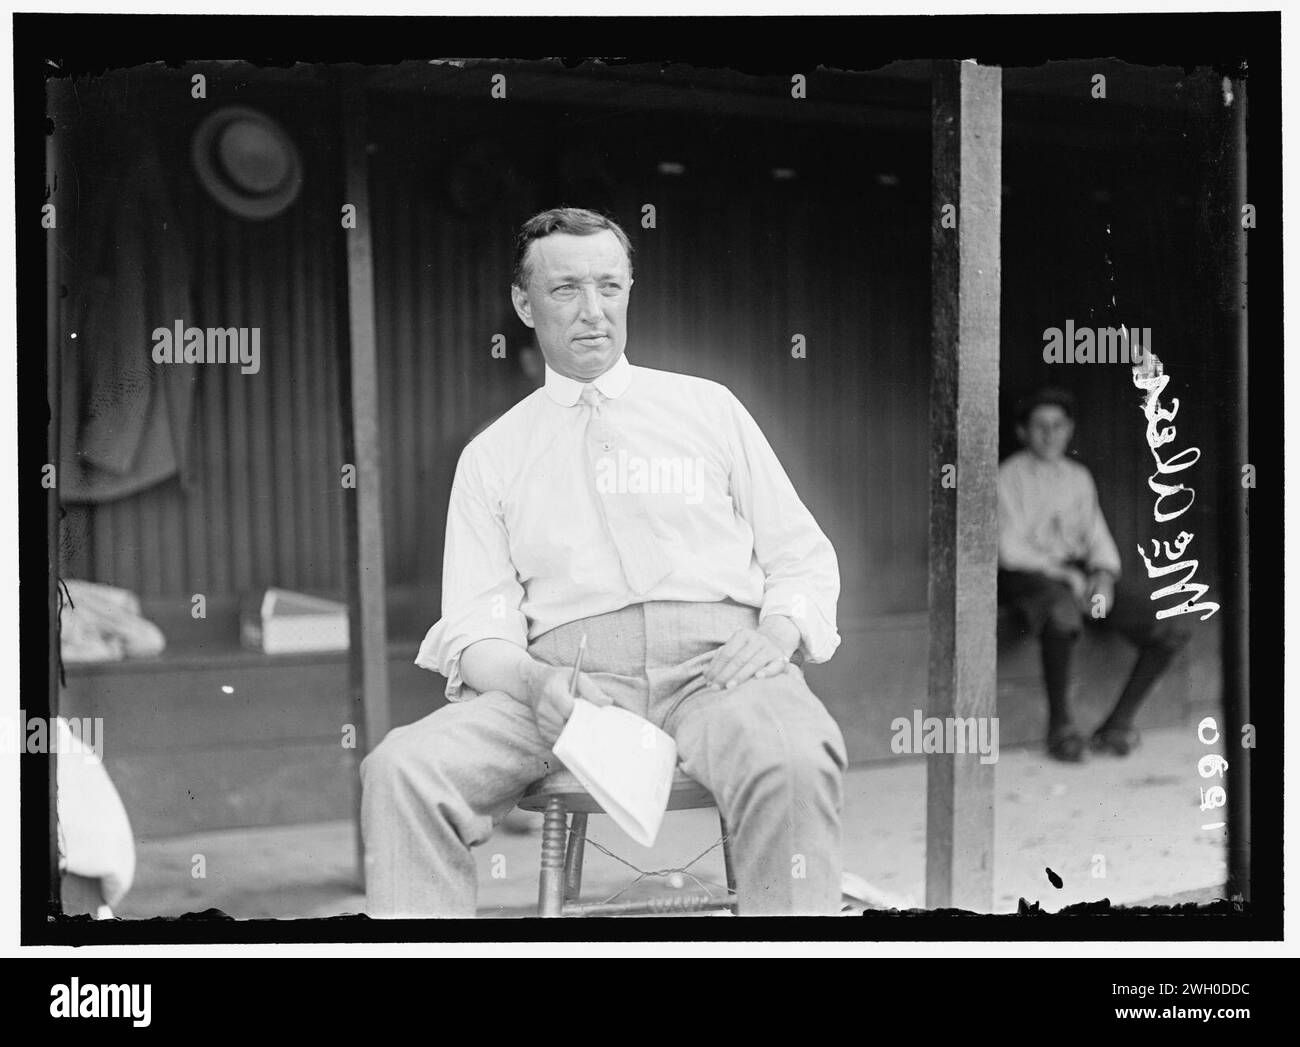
(646, 510)
(1058, 568)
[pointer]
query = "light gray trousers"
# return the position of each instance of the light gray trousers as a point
(767, 750)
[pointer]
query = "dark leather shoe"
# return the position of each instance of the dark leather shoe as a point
(1065, 744)
(1118, 741)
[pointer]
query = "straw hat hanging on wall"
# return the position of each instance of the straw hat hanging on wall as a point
(247, 162)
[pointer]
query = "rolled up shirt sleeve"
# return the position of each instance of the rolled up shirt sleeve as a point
(481, 594)
(802, 573)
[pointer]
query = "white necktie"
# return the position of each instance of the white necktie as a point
(643, 560)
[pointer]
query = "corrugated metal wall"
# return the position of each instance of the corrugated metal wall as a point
(769, 230)
(740, 260)
(264, 501)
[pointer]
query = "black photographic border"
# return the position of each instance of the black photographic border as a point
(63, 45)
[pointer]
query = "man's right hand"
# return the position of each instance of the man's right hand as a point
(1075, 579)
(546, 692)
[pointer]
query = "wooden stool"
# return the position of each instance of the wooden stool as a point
(560, 794)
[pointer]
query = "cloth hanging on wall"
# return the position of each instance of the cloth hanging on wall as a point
(126, 419)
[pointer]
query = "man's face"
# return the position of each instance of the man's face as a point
(576, 301)
(1047, 432)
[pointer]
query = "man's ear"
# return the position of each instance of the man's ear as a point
(1022, 434)
(523, 308)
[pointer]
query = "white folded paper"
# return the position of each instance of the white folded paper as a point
(624, 761)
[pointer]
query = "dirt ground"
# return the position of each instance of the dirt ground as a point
(1124, 829)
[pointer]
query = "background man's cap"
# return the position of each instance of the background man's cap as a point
(247, 162)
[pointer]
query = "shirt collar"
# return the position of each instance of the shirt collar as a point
(1044, 466)
(567, 391)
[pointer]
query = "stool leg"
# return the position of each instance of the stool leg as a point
(573, 860)
(726, 860)
(550, 885)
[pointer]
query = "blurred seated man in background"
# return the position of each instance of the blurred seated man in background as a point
(1058, 566)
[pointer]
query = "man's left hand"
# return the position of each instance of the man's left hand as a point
(750, 653)
(1101, 583)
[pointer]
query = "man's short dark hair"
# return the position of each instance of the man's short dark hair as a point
(1047, 396)
(576, 221)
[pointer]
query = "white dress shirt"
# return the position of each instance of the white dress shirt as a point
(1049, 516)
(527, 550)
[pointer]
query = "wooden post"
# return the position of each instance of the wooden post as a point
(359, 380)
(965, 272)
(1234, 541)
